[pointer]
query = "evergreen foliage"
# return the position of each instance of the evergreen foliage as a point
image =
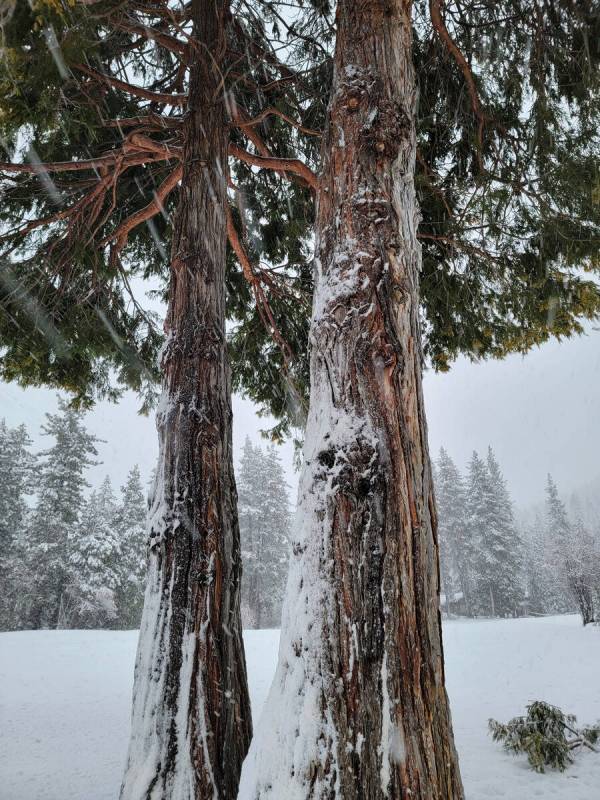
(559, 539)
(61, 487)
(495, 541)
(575, 555)
(455, 556)
(130, 526)
(264, 515)
(94, 564)
(17, 474)
(540, 579)
(68, 560)
(507, 182)
(545, 734)
(503, 547)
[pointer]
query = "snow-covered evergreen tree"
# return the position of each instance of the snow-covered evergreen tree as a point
(249, 482)
(452, 532)
(559, 541)
(60, 491)
(497, 547)
(130, 525)
(17, 466)
(276, 520)
(479, 522)
(94, 562)
(540, 579)
(504, 561)
(263, 508)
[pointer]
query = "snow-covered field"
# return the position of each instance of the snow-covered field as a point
(64, 704)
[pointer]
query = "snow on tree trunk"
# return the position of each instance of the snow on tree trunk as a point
(358, 707)
(191, 721)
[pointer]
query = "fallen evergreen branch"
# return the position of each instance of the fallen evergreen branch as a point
(546, 735)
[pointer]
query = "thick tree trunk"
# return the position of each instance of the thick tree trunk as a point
(191, 715)
(358, 708)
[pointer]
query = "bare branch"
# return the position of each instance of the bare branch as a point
(293, 165)
(135, 144)
(170, 43)
(272, 111)
(119, 236)
(137, 91)
(148, 120)
(61, 166)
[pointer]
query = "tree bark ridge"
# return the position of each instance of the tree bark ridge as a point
(358, 709)
(191, 717)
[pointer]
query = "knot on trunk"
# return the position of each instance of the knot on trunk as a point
(372, 208)
(196, 340)
(385, 130)
(357, 469)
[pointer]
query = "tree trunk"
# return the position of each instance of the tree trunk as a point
(358, 707)
(191, 722)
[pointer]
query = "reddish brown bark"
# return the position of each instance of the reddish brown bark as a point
(383, 528)
(191, 719)
(358, 708)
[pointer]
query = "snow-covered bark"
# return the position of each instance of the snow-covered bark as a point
(191, 717)
(358, 707)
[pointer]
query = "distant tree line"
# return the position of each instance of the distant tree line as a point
(71, 558)
(74, 558)
(68, 559)
(264, 514)
(491, 567)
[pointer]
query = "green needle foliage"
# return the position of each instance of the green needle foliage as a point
(546, 735)
(507, 178)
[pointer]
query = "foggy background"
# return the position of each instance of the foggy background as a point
(540, 413)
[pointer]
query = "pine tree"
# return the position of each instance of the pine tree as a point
(17, 470)
(540, 581)
(130, 525)
(60, 499)
(505, 564)
(479, 524)
(559, 541)
(455, 555)
(277, 538)
(497, 553)
(94, 562)
(249, 482)
(263, 507)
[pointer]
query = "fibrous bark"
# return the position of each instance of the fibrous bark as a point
(191, 717)
(358, 708)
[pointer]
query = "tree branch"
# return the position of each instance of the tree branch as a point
(137, 91)
(272, 111)
(148, 120)
(170, 43)
(60, 166)
(293, 165)
(137, 144)
(152, 209)
(262, 304)
(435, 9)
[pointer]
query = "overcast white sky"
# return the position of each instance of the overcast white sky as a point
(540, 413)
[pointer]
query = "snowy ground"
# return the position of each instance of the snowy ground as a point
(64, 705)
